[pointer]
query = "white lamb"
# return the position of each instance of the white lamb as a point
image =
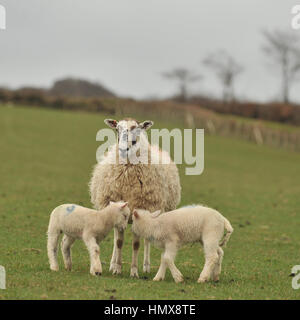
(91, 226)
(170, 230)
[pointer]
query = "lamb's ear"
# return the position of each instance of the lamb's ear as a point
(155, 214)
(124, 205)
(146, 124)
(111, 123)
(135, 213)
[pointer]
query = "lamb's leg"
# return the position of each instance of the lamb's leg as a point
(114, 254)
(218, 266)
(160, 275)
(211, 258)
(94, 251)
(146, 267)
(52, 245)
(117, 267)
(66, 244)
(169, 256)
(135, 251)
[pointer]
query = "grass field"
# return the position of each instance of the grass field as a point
(46, 159)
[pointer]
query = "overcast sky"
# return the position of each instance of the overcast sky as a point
(126, 44)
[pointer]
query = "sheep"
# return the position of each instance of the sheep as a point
(171, 230)
(77, 222)
(143, 185)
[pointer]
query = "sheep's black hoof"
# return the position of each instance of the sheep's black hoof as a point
(98, 273)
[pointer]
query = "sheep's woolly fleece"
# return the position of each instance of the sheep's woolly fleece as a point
(145, 186)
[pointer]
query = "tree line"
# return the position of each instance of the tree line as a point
(281, 48)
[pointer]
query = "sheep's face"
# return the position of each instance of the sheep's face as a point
(122, 214)
(130, 134)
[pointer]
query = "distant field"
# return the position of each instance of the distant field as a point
(268, 124)
(46, 159)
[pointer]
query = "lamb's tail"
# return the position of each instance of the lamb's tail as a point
(229, 231)
(53, 234)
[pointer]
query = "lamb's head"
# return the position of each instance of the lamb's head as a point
(121, 214)
(138, 220)
(141, 218)
(131, 135)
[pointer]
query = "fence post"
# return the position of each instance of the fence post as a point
(257, 135)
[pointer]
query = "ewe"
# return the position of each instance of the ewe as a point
(140, 183)
(170, 230)
(89, 225)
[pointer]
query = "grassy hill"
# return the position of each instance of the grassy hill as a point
(46, 159)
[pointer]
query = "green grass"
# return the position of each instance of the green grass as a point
(46, 159)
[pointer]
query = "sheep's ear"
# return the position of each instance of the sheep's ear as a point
(135, 213)
(124, 205)
(111, 202)
(111, 123)
(146, 124)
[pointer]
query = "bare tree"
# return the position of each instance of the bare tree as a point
(226, 69)
(283, 48)
(184, 77)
